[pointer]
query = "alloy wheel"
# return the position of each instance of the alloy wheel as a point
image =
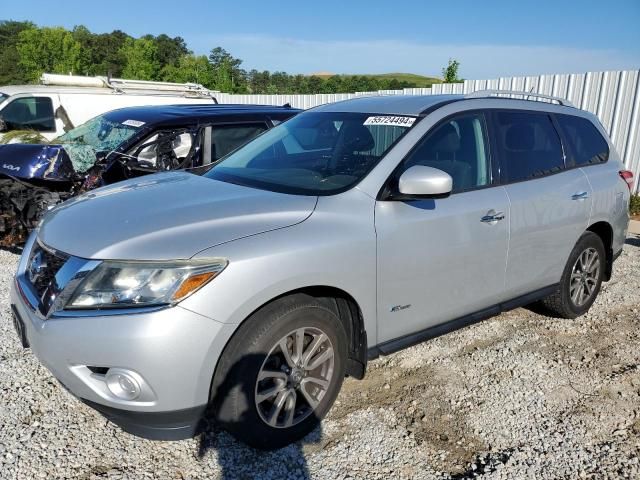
(294, 377)
(584, 277)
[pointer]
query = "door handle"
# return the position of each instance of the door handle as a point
(580, 196)
(492, 217)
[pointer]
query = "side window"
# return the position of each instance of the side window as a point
(226, 138)
(164, 150)
(30, 113)
(459, 147)
(528, 145)
(586, 142)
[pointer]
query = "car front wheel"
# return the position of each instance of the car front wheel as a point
(280, 372)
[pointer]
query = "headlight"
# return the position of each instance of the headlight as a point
(142, 284)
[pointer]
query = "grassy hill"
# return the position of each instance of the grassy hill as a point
(418, 80)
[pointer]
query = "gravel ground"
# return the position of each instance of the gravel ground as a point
(518, 396)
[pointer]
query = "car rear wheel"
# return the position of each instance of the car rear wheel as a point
(280, 373)
(581, 279)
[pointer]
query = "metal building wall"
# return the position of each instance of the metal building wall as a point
(613, 96)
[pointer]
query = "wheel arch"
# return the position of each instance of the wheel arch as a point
(349, 312)
(346, 309)
(605, 231)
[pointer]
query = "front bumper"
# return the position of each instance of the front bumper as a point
(173, 351)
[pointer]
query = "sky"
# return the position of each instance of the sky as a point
(490, 38)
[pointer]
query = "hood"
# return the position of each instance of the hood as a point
(167, 216)
(29, 161)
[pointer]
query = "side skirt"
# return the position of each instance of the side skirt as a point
(400, 343)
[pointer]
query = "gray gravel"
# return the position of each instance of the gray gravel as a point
(518, 396)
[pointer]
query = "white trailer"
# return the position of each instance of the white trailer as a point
(61, 102)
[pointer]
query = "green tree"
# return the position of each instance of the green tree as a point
(190, 69)
(141, 59)
(229, 77)
(87, 60)
(48, 50)
(170, 50)
(313, 84)
(258, 82)
(26, 51)
(10, 69)
(108, 53)
(450, 72)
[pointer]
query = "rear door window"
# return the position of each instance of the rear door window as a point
(528, 145)
(226, 138)
(30, 113)
(587, 145)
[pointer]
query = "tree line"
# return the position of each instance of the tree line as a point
(27, 51)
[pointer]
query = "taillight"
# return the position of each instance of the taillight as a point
(627, 176)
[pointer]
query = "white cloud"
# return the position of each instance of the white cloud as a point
(377, 56)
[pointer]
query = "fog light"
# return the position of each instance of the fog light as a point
(122, 384)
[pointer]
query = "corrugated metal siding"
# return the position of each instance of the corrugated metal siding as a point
(613, 96)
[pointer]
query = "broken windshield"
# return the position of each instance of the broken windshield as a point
(97, 135)
(102, 134)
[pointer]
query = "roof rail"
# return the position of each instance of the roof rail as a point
(121, 85)
(495, 93)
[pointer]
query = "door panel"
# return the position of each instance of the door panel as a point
(550, 205)
(437, 259)
(545, 222)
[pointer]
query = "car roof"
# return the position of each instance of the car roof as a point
(424, 104)
(390, 104)
(179, 114)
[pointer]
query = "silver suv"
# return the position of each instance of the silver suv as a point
(245, 294)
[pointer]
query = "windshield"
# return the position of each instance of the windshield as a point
(96, 135)
(314, 153)
(100, 133)
(3, 97)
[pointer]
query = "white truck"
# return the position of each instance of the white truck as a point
(61, 102)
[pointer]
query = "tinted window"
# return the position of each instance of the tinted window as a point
(528, 145)
(458, 147)
(586, 142)
(29, 113)
(226, 138)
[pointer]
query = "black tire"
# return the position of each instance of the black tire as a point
(560, 303)
(234, 387)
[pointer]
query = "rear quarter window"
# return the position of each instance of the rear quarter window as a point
(587, 144)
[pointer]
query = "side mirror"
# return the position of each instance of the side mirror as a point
(420, 181)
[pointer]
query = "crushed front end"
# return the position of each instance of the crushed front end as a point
(33, 179)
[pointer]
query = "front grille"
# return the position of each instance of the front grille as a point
(42, 268)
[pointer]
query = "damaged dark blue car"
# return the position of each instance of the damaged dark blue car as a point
(118, 145)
